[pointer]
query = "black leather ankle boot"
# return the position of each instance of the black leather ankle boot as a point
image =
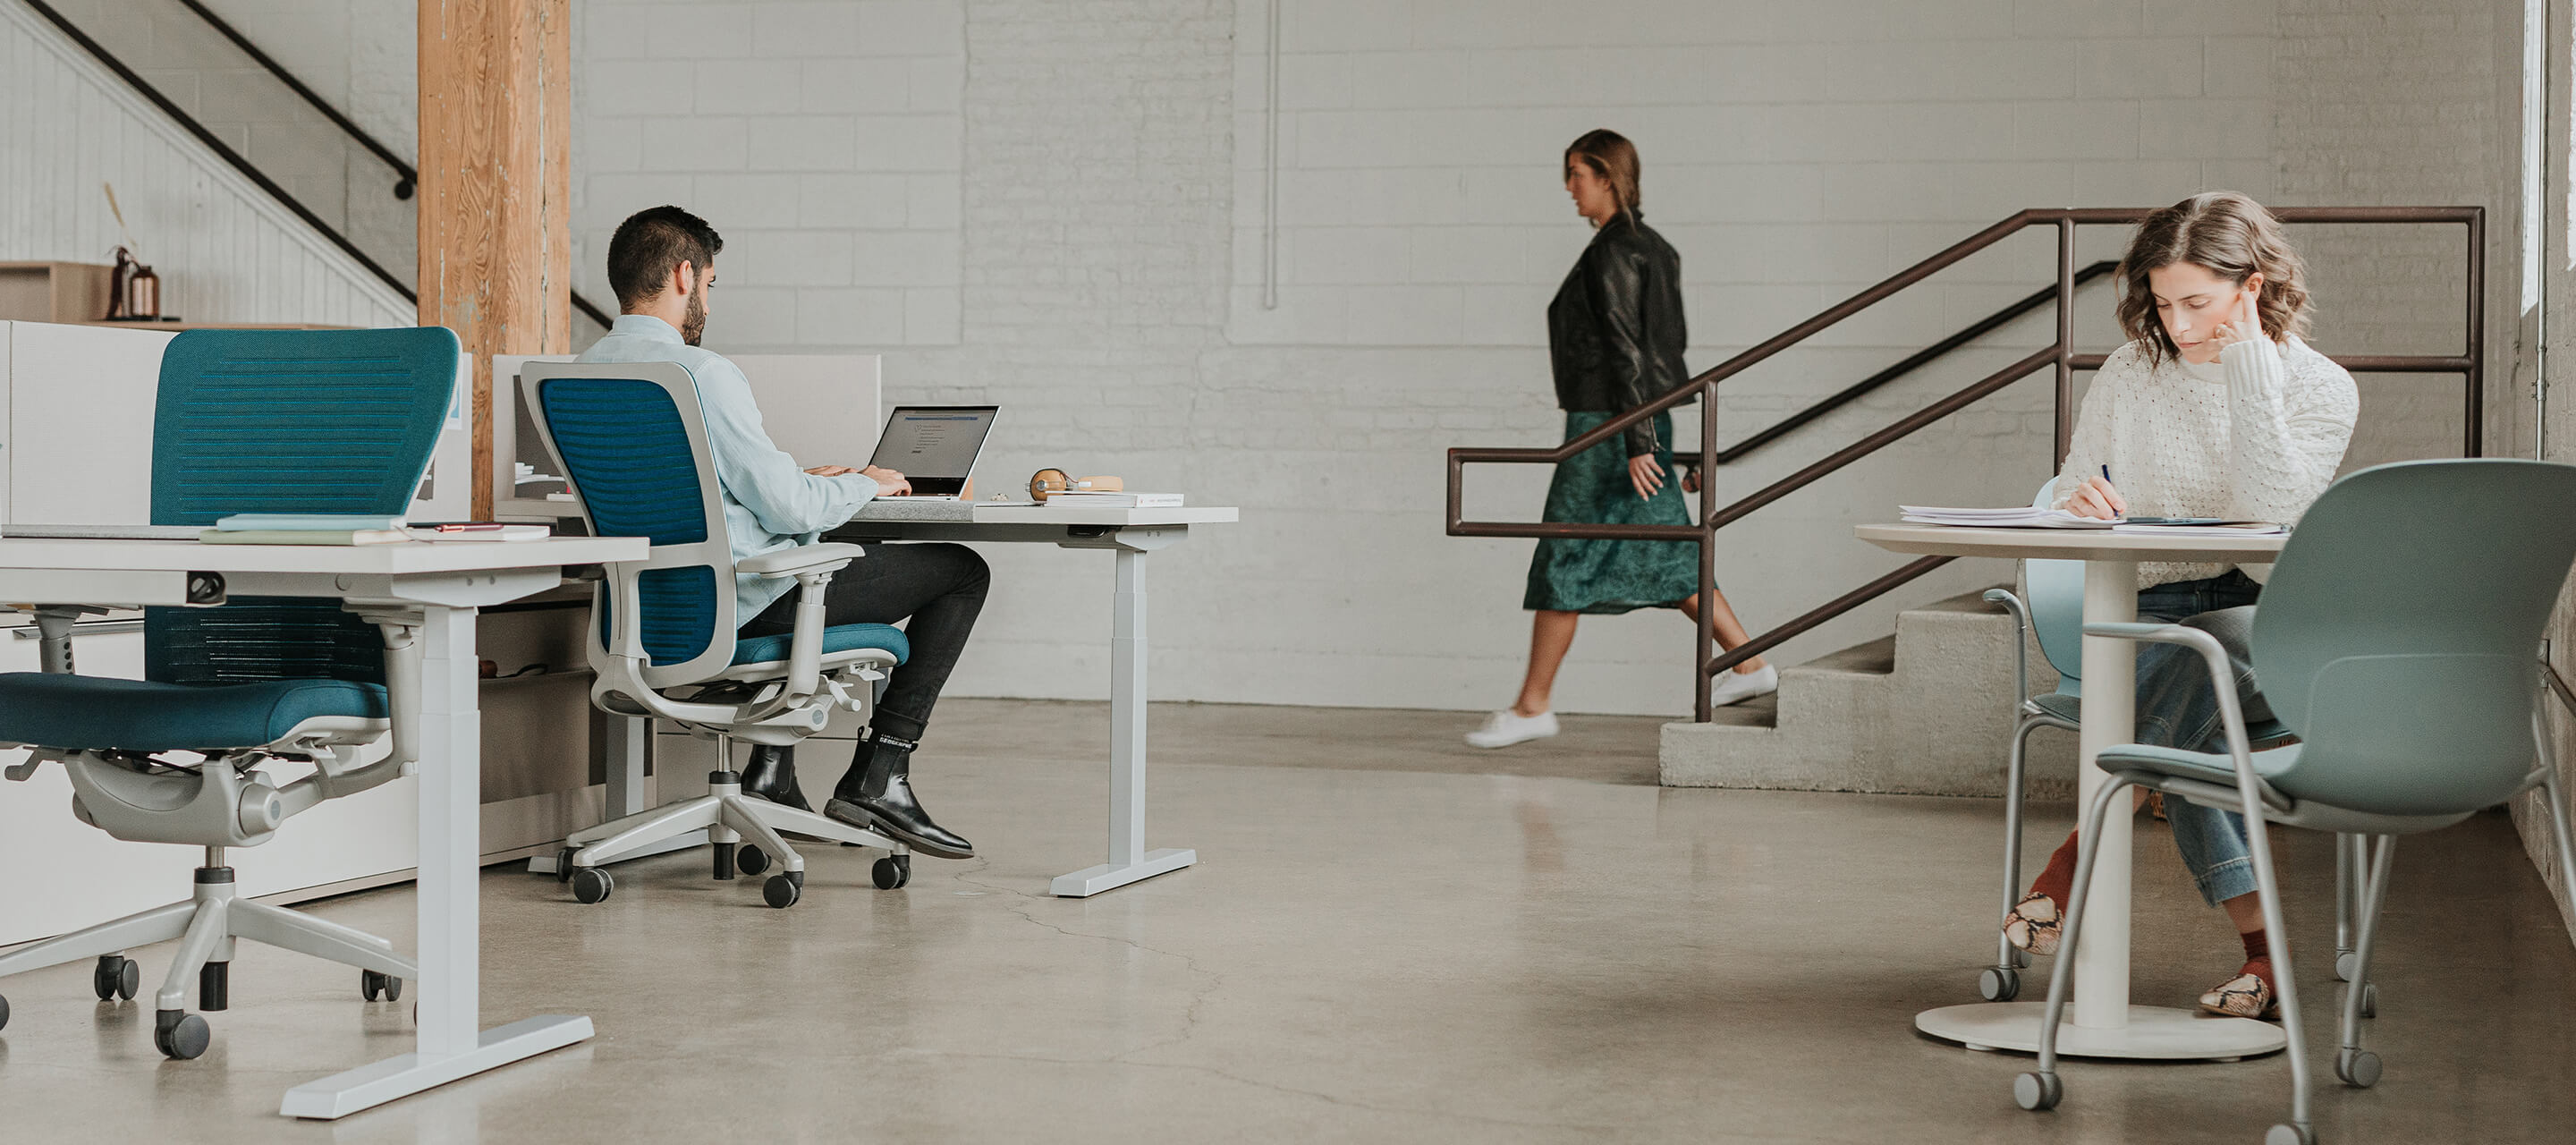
(771, 775)
(877, 796)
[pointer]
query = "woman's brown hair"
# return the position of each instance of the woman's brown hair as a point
(2232, 237)
(1612, 157)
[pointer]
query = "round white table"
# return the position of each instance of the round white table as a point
(2101, 1022)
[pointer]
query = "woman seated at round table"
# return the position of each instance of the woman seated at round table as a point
(2215, 408)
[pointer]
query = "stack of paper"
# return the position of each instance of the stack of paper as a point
(305, 529)
(2200, 528)
(1075, 499)
(2018, 517)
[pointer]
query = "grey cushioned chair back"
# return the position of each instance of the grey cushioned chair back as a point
(633, 443)
(2056, 600)
(288, 421)
(2398, 632)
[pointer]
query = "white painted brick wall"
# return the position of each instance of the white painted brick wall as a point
(823, 139)
(1058, 207)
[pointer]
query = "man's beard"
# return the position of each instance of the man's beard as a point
(693, 324)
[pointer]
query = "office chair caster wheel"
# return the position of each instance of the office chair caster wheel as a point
(590, 884)
(1998, 984)
(892, 872)
(783, 889)
(751, 860)
(372, 985)
(180, 1035)
(2290, 1135)
(2347, 964)
(117, 977)
(2038, 1092)
(2357, 1068)
(563, 865)
(2370, 1000)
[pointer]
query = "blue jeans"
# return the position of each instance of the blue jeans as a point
(2177, 708)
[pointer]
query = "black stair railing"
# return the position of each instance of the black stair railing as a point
(406, 178)
(2470, 363)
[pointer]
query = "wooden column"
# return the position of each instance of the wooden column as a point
(495, 188)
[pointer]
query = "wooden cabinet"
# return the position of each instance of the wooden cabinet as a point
(54, 291)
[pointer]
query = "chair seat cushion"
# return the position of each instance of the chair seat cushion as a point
(838, 638)
(100, 713)
(2071, 709)
(2203, 766)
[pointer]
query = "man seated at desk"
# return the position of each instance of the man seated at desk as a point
(661, 263)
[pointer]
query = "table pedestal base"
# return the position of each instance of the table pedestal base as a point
(2154, 1033)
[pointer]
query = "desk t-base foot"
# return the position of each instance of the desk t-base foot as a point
(369, 1086)
(2154, 1033)
(1090, 881)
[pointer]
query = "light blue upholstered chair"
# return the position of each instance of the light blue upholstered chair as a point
(2054, 614)
(2396, 639)
(633, 442)
(267, 421)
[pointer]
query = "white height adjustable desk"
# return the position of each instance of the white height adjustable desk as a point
(2103, 1023)
(447, 583)
(1131, 533)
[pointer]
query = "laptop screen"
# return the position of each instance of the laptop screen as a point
(934, 446)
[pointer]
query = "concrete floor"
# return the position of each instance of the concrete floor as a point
(1380, 943)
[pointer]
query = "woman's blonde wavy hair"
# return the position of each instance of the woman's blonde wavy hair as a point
(2232, 237)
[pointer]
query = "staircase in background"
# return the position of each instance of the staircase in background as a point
(1926, 710)
(1921, 712)
(397, 274)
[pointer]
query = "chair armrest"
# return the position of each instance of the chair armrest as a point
(828, 556)
(2021, 639)
(2222, 680)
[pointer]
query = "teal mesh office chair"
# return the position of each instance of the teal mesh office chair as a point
(267, 421)
(2396, 640)
(633, 443)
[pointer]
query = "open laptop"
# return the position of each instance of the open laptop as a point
(934, 447)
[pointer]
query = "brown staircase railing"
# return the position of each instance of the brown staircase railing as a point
(2060, 353)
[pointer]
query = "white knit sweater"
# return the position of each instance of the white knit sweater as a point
(2256, 435)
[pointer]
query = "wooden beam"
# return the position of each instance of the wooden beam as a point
(495, 188)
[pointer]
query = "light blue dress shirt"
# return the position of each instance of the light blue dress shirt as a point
(770, 502)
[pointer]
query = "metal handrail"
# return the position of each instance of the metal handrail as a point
(1910, 363)
(406, 178)
(240, 164)
(403, 188)
(2060, 352)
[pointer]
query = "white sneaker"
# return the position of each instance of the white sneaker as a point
(1738, 687)
(1507, 727)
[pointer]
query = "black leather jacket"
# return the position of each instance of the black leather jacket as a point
(1615, 332)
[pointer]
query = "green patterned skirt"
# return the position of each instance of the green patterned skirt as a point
(1611, 577)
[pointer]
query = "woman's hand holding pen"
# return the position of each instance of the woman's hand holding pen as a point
(1646, 475)
(2097, 499)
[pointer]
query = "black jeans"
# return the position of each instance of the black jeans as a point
(940, 586)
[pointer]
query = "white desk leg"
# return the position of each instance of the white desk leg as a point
(2103, 1024)
(1129, 861)
(2110, 719)
(451, 1042)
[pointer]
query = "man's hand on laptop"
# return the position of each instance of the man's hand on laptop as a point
(889, 482)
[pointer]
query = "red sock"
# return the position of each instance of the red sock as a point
(2058, 880)
(2258, 955)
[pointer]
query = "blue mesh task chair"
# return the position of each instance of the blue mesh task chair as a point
(266, 421)
(633, 443)
(2396, 640)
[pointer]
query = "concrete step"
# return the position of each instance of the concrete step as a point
(1926, 710)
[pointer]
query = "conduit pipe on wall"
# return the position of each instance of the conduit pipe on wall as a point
(1270, 173)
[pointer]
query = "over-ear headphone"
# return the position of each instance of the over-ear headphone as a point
(1046, 483)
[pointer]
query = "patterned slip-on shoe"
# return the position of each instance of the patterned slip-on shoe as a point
(2032, 925)
(2248, 995)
